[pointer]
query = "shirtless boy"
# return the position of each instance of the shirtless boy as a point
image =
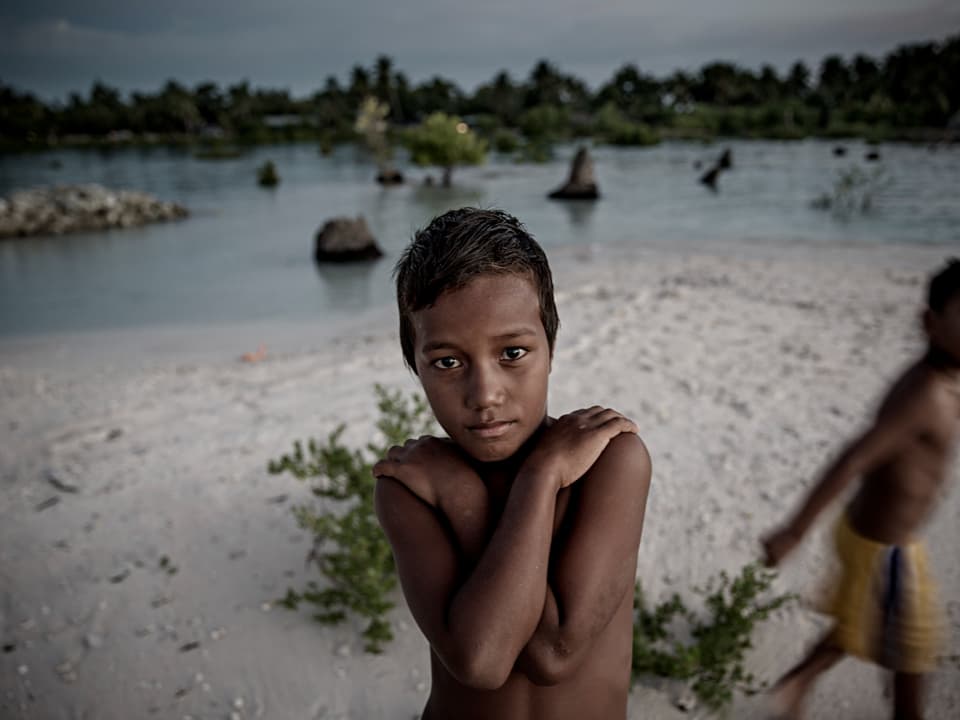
(884, 606)
(516, 537)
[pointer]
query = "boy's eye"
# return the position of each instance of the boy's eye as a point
(513, 353)
(446, 363)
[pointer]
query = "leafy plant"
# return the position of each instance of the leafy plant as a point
(349, 548)
(445, 141)
(711, 655)
(371, 125)
(534, 151)
(853, 192)
(612, 127)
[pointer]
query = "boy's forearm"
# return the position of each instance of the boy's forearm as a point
(545, 645)
(498, 608)
(467, 510)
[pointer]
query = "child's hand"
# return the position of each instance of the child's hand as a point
(434, 470)
(423, 465)
(571, 445)
(778, 545)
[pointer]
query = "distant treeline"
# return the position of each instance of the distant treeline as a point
(912, 93)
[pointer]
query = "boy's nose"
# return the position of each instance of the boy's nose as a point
(485, 388)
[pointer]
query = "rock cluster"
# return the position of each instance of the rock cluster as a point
(79, 208)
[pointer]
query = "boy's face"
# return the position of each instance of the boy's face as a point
(943, 328)
(483, 359)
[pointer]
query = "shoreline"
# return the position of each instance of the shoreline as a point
(744, 374)
(152, 345)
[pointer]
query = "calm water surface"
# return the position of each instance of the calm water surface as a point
(245, 254)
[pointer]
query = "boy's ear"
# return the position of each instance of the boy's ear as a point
(927, 319)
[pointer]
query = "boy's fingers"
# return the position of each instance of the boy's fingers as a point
(610, 419)
(384, 468)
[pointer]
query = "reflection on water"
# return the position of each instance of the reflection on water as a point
(247, 253)
(580, 212)
(348, 286)
(436, 199)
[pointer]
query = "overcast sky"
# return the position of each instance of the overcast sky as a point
(52, 47)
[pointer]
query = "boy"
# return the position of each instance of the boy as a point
(515, 539)
(884, 606)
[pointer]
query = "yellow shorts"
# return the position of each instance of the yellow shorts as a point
(885, 603)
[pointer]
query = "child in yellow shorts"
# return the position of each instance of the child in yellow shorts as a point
(885, 606)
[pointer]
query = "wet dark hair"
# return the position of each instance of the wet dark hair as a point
(944, 285)
(458, 246)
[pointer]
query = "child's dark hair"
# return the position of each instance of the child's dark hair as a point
(459, 246)
(944, 285)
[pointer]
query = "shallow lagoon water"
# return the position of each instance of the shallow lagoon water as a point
(245, 255)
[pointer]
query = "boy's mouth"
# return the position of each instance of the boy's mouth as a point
(491, 430)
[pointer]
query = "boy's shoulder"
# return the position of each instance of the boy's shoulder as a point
(923, 399)
(921, 387)
(623, 466)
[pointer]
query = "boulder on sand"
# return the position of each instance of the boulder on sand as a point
(581, 184)
(344, 239)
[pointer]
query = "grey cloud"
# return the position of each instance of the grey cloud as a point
(52, 46)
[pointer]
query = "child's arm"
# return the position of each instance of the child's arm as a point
(894, 427)
(478, 625)
(596, 566)
(435, 470)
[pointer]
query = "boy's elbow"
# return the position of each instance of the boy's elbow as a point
(481, 670)
(550, 665)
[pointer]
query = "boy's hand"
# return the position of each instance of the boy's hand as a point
(778, 545)
(434, 470)
(423, 465)
(572, 444)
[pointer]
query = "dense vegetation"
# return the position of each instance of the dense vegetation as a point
(906, 94)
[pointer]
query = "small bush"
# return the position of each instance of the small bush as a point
(349, 548)
(853, 192)
(535, 151)
(612, 127)
(505, 141)
(712, 658)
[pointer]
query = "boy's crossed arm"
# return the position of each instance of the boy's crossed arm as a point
(505, 614)
(595, 567)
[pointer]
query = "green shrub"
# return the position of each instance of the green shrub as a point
(445, 141)
(853, 192)
(712, 657)
(349, 548)
(217, 151)
(611, 126)
(545, 122)
(505, 141)
(535, 151)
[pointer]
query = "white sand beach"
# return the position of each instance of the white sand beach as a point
(745, 375)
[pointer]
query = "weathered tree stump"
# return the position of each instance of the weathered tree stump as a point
(581, 185)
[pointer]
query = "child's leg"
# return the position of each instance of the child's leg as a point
(791, 690)
(908, 696)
